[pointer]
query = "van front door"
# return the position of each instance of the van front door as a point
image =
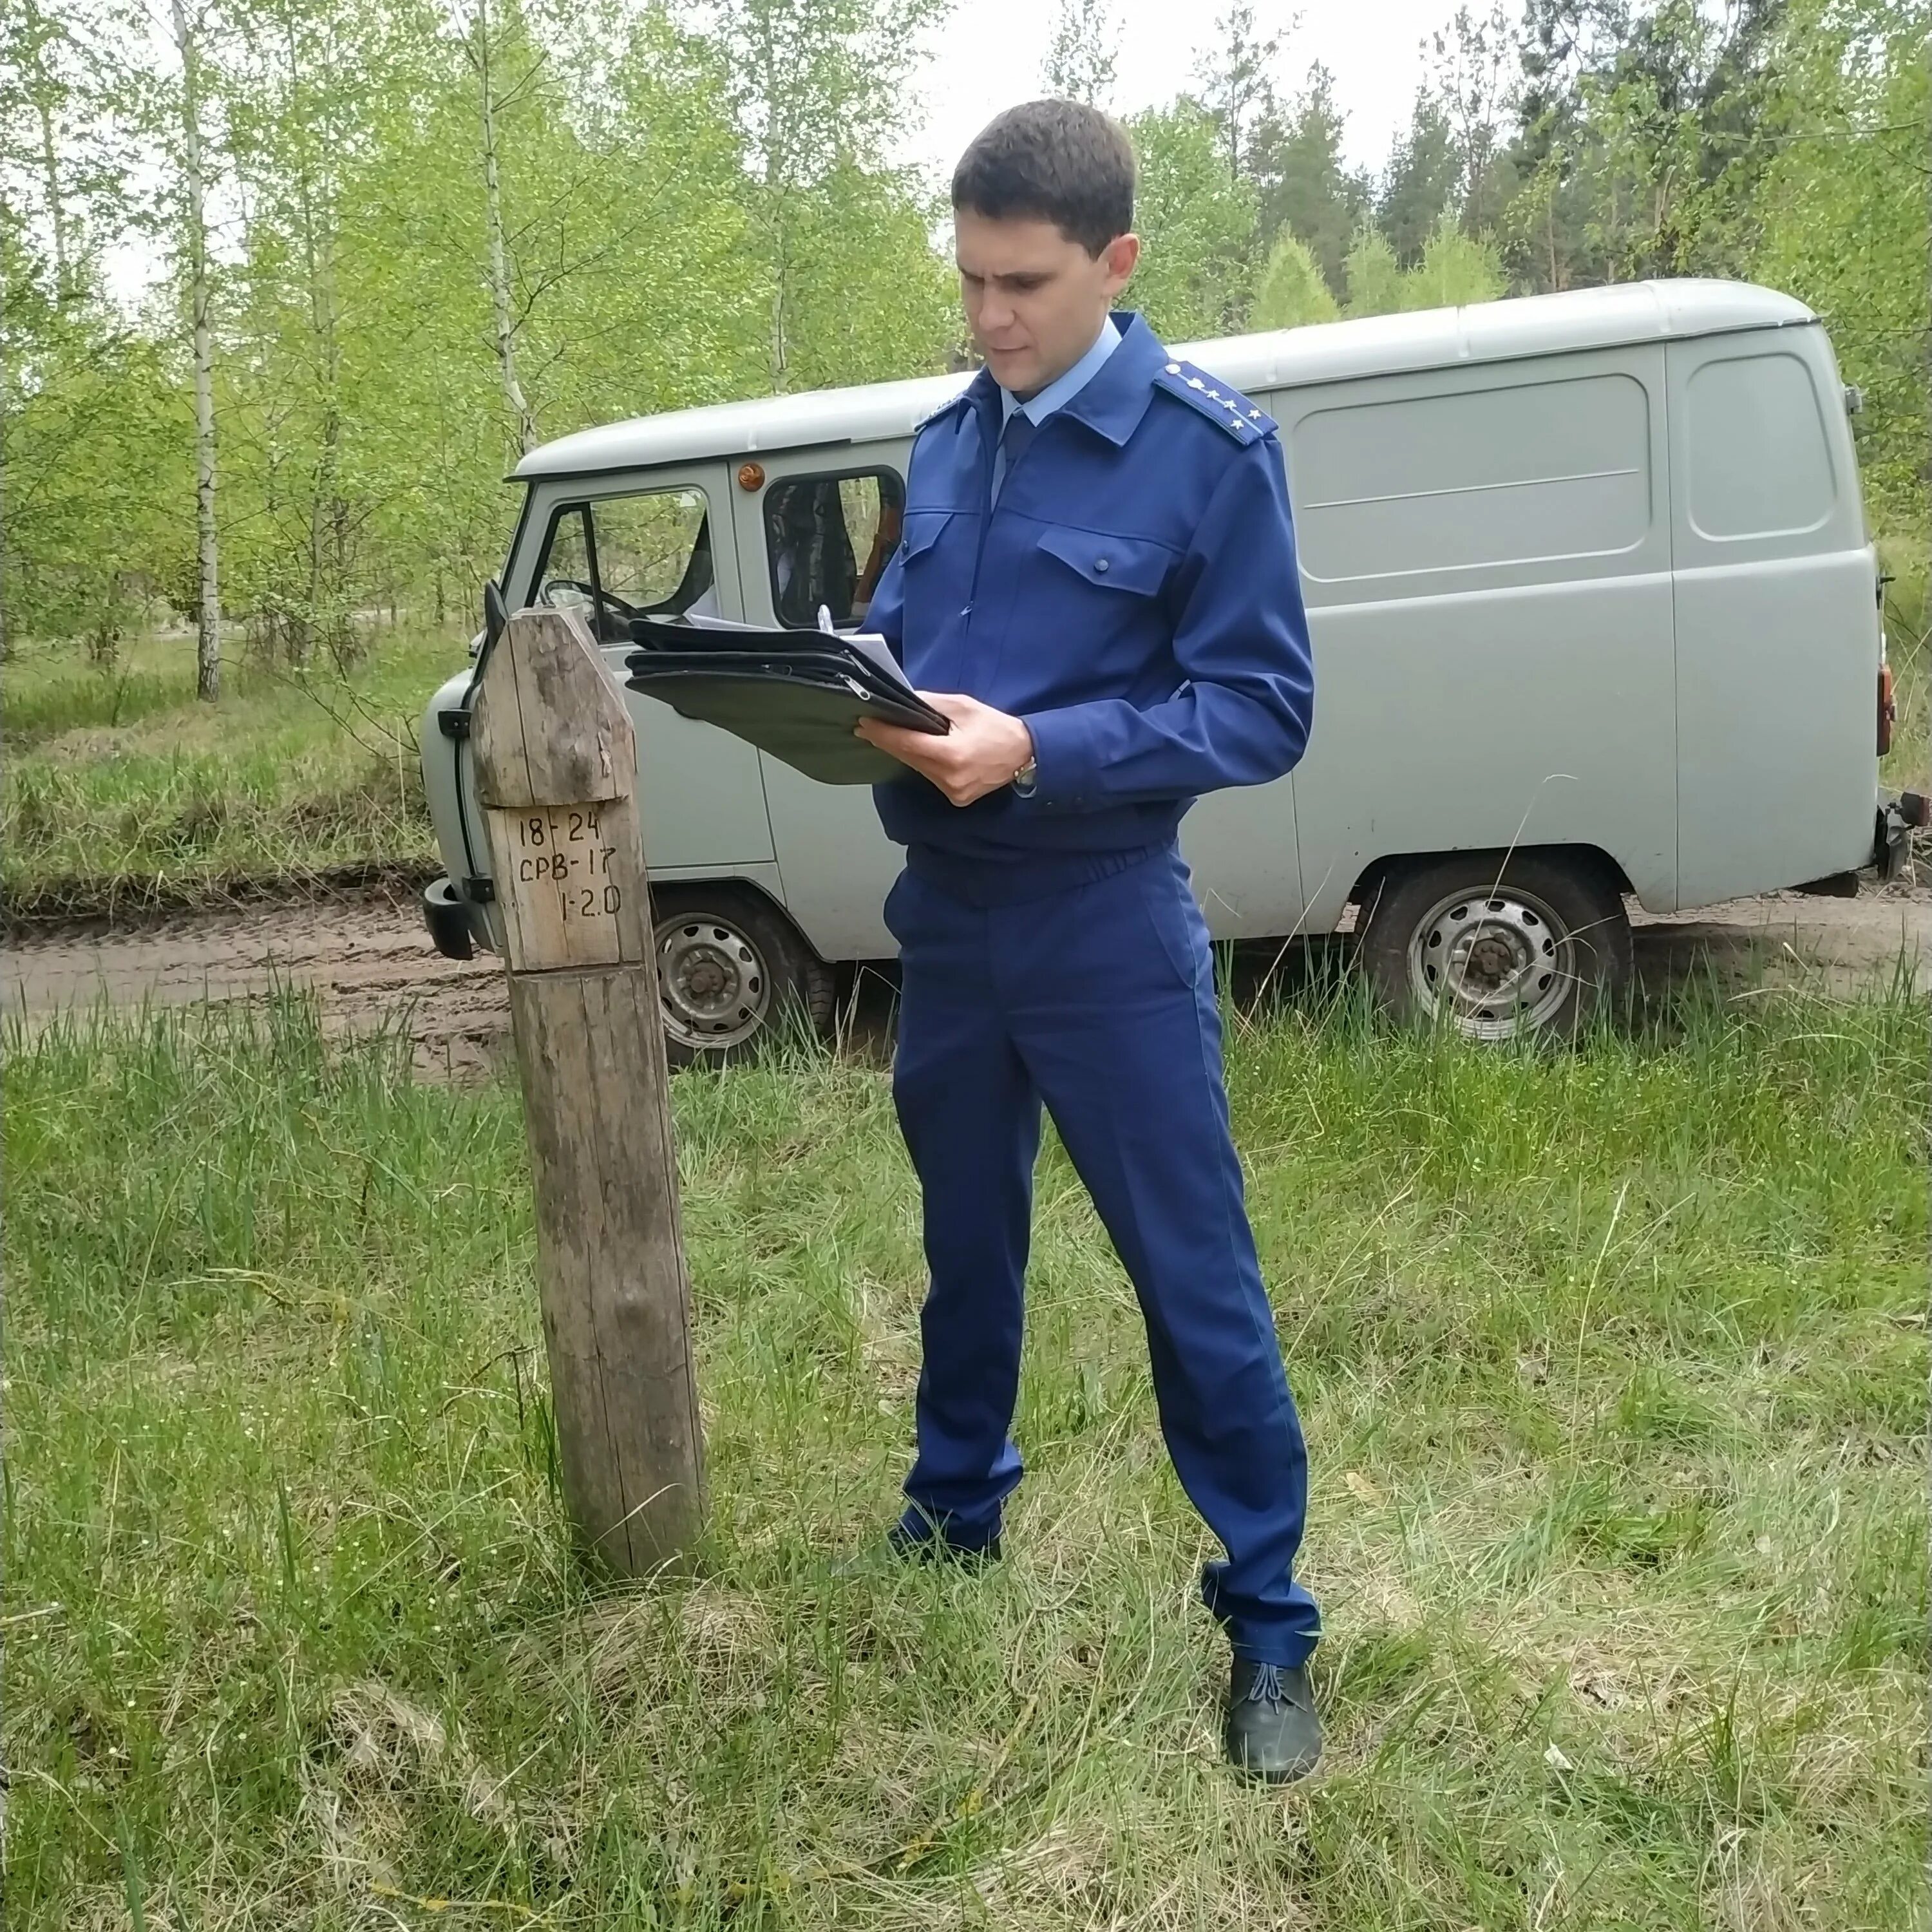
(660, 543)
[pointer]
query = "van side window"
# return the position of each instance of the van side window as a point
(1516, 473)
(616, 558)
(828, 539)
(1759, 464)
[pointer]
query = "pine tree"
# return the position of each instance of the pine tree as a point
(1455, 268)
(1374, 275)
(1423, 177)
(1303, 184)
(1293, 290)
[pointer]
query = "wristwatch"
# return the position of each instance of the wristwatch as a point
(1023, 780)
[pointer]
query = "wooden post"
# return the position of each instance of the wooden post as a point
(557, 773)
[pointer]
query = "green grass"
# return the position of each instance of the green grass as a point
(1908, 624)
(1612, 1365)
(120, 789)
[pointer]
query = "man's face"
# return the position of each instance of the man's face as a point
(1034, 300)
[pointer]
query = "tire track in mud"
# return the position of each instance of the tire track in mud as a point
(369, 960)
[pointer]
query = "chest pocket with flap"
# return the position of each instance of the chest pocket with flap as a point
(1135, 564)
(920, 529)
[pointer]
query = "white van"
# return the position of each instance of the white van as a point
(1594, 610)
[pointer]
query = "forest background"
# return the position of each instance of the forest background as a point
(403, 240)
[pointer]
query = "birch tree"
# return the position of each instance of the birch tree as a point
(821, 87)
(1236, 77)
(194, 210)
(1197, 220)
(1083, 52)
(481, 49)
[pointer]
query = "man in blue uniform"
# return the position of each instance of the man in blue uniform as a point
(1097, 584)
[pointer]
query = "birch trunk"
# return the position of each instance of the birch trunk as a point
(207, 632)
(56, 204)
(493, 216)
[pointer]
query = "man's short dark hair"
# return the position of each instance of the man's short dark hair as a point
(1052, 161)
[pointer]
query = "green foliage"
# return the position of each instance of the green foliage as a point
(700, 206)
(1611, 1363)
(119, 789)
(1842, 217)
(1196, 220)
(1423, 178)
(1234, 77)
(1292, 289)
(100, 506)
(686, 216)
(1374, 277)
(867, 298)
(1455, 268)
(1779, 141)
(1081, 52)
(1302, 182)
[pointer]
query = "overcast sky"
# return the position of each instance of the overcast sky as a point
(987, 56)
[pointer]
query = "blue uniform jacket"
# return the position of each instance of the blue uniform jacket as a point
(1133, 595)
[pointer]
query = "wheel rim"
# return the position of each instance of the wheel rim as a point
(1495, 964)
(713, 982)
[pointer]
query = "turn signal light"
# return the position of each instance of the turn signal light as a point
(1887, 708)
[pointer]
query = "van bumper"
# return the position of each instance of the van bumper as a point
(446, 913)
(1897, 819)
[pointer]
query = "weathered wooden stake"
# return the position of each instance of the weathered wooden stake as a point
(557, 772)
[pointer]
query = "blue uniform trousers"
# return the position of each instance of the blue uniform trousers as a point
(1099, 999)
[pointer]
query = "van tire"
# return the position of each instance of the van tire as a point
(1556, 950)
(734, 974)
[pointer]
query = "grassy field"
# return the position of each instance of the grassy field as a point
(1613, 1364)
(1908, 623)
(121, 789)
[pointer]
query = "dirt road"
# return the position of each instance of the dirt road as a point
(368, 956)
(371, 961)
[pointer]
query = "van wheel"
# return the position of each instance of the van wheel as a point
(1498, 948)
(733, 973)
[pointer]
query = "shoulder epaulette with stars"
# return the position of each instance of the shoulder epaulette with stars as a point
(1244, 421)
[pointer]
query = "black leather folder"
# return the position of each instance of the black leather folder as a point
(795, 694)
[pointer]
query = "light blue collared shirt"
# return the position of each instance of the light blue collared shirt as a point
(1056, 395)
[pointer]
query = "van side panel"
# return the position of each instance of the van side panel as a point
(1486, 553)
(1243, 848)
(1778, 626)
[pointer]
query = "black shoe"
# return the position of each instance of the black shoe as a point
(899, 1546)
(1273, 1732)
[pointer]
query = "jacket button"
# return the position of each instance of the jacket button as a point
(1100, 564)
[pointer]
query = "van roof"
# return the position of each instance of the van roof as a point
(1322, 352)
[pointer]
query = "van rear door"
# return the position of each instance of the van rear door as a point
(1778, 635)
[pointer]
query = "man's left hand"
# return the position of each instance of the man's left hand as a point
(983, 751)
